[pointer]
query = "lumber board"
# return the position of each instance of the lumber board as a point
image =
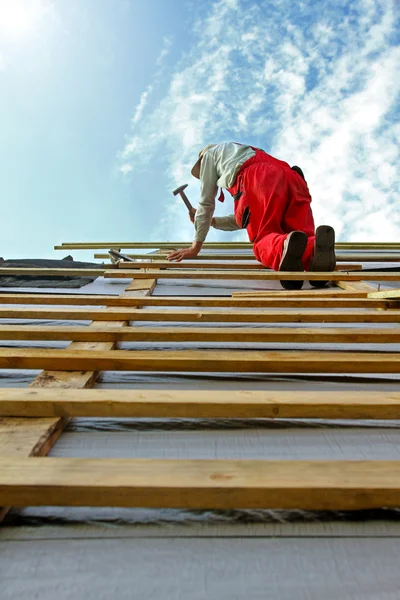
(213, 316)
(353, 257)
(221, 361)
(274, 299)
(332, 292)
(200, 484)
(391, 294)
(218, 245)
(199, 266)
(202, 404)
(264, 276)
(298, 335)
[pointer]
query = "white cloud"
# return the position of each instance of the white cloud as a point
(126, 168)
(315, 88)
(140, 107)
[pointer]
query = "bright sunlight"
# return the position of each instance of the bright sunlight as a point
(20, 18)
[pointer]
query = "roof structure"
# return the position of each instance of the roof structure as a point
(193, 431)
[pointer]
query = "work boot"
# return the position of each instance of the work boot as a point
(293, 250)
(324, 252)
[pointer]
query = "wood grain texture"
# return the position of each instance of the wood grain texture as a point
(124, 305)
(200, 484)
(331, 292)
(218, 245)
(36, 436)
(199, 266)
(201, 404)
(210, 316)
(86, 378)
(109, 333)
(394, 293)
(215, 361)
(257, 276)
(248, 255)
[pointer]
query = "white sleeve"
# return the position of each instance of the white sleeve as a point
(226, 223)
(209, 188)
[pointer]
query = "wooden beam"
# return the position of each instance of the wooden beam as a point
(325, 335)
(200, 484)
(249, 256)
(218, 245)
(256, 276)
(199, 266)
(206, 316)
(129, 312)
(221, 361)
(204, 404)
(332, 292)
(272, 299)
(391, 294)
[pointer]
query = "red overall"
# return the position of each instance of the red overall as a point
(271, 200)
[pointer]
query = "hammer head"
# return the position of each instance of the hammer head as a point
(180, 189)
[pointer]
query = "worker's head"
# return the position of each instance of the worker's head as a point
(196, 169)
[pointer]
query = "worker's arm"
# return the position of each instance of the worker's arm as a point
(225, 223)
(205, 209)
(208, 191)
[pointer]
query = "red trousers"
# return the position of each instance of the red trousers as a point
(271, 200)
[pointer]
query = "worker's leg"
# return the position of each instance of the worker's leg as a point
(264, 195)
(298, 214)
(279, 203)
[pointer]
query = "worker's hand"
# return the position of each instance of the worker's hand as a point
(185, 253)
(192, 215)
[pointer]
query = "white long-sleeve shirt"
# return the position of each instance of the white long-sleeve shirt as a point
(219, 168)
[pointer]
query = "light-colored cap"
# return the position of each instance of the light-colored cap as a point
(196, 168)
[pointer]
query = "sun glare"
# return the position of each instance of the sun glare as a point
(20, 18)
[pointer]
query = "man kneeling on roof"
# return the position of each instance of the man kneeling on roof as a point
(271, 201)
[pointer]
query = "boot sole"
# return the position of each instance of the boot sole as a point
(324, 255)
(291, 259)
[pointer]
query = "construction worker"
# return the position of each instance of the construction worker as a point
(271, 201)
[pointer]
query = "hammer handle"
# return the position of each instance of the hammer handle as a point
(187, 202)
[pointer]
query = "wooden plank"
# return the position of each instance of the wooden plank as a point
(99, 271)
(273, 299)
(356, 286)
(391, 294)
(218, 245)
(213, 265)
(204, 404)
(256, 276)
(332, 292)
(208, 316)
(248, 255)
(298, 335)
(200, 484)
(221, 361)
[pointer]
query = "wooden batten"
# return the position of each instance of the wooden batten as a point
(199, 484)
(31, 419)
(245, 404)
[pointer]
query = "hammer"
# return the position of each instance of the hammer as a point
(179, 190)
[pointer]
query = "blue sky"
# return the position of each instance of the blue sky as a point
(104, 105)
